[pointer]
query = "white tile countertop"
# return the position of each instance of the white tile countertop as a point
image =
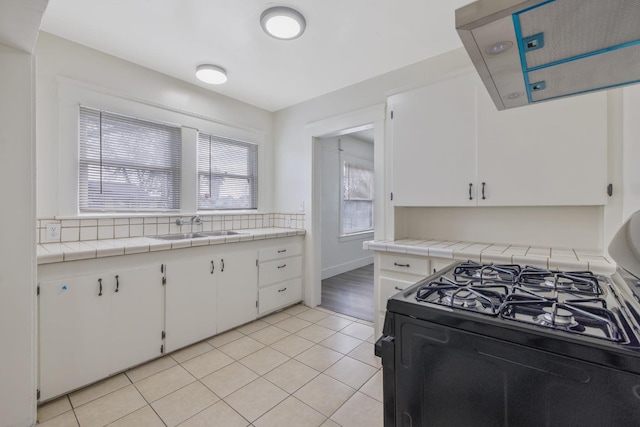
(544, 257)
(72, 251)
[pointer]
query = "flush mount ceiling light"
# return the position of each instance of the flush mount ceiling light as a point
(211, 74)
(283, 23)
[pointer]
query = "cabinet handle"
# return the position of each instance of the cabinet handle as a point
(400, 265)
(282, 266)
(282, 251)
(222, 269)
(212, 267)
(399, 289)
(117, 283)
(100, 283)
(470, 188)
(483, 184)
(282, 290)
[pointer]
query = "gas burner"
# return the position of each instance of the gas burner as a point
(556, 282)
(578, 282)
(554, 316)
(500, 273)
(460, 298)
(486, 274)
(583, 317)
(482, 299)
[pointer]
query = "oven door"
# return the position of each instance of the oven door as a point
(449, 377)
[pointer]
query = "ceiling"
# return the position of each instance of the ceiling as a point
(345, 42)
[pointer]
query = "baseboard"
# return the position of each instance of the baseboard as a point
(347, 266)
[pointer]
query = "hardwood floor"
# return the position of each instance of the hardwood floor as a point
(350, 293)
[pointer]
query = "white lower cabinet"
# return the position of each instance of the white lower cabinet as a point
(99, 317)
(210, 294)
(280, 275)
(280, 295)
(92, 326)
(438, 264)
(191, 292)
(394, 273)
(237, 289)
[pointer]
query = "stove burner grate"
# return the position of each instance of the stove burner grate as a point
(578, 282)
(501, 273)
(481, 298)
(577, 316)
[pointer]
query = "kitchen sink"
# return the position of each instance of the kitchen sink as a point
(219, 233)
(180, 236)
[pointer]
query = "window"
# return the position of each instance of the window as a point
(357, 200)
(227, 173)
(127, 164)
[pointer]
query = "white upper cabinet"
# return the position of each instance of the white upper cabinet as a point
(451, 147)
(553, 153)
(434, 144)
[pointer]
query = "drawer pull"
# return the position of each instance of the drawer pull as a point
(282, 290)
(282, 266)
(212, 267)
(117, 283)
(100, 283)
(281, 251)
(400, 265)
(399, 289)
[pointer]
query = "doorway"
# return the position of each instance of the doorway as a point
(346, 181)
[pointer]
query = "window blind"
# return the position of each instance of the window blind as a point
(227, 173)
(357, 203)
(127, 164)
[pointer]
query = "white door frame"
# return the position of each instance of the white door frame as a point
(335, 126)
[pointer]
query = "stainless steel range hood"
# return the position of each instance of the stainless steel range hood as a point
(538, 50)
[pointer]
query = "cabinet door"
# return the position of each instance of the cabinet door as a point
(137, 319)
(191, 293)
(553, 153)
(237, 289)
(73, 334)
(434, 144)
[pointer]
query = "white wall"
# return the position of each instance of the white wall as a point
(340, 254)
(295, 127)
(68, 72)
(17, 245)
(631, 151)
(579, 227)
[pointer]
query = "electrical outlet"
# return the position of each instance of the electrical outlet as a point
(301, 207)
(52, 232)
(287, 221)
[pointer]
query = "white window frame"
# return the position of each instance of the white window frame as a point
(348, 158)
(254, 187)
(72, 94)
(174, 170)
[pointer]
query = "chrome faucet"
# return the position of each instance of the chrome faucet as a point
(196, 219)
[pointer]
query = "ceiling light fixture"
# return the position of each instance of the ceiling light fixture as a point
(211, 74)
(283, 23)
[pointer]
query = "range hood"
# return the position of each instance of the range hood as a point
(538, 50)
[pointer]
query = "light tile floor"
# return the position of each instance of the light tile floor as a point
(298, 367)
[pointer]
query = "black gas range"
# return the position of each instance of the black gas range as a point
(510, 345)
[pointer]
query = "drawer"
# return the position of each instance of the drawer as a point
(405, 264)
(438, 264)
(279, 295)
(389, 287)
(279, 270)
(279, 252)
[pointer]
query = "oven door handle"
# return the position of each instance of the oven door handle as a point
(385, 348)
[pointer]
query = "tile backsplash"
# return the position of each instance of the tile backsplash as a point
(73, 230)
